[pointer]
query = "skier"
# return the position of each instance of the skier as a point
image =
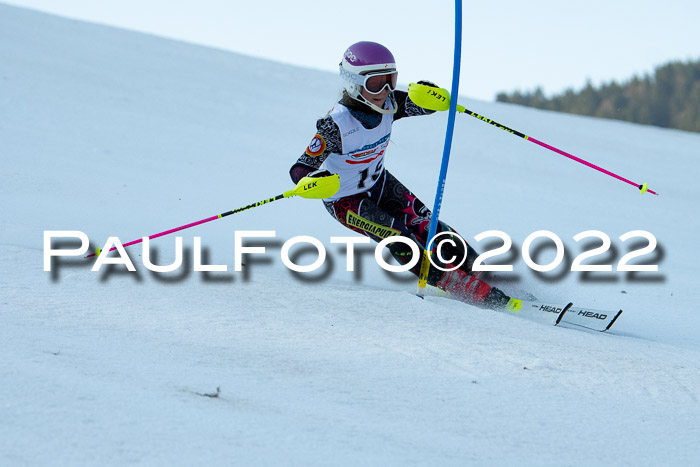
(351, 141)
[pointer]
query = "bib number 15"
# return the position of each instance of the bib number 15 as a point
(364, 174)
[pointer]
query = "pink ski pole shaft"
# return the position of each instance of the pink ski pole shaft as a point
(307, 187)
(642, 187)
(187, 226)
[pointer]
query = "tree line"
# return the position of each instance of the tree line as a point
(669, 98)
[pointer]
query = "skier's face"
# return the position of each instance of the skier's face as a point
(376, 99)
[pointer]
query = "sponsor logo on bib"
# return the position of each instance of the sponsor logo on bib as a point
(370, 227)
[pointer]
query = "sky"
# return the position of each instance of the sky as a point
(507, 45)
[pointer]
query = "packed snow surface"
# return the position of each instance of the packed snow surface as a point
(115, 133)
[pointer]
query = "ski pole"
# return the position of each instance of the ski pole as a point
(308, 187)
(439, 99)
(425, 261)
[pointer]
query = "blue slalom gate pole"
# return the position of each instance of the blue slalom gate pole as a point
(425, 264)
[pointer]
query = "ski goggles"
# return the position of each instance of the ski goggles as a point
(373, 82)
(376, 82)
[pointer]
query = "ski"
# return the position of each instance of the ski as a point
(567, 316)
(588, 318)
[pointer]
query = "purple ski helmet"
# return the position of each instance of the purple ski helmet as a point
(364, 59)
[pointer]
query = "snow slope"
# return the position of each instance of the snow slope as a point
(115, 133)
